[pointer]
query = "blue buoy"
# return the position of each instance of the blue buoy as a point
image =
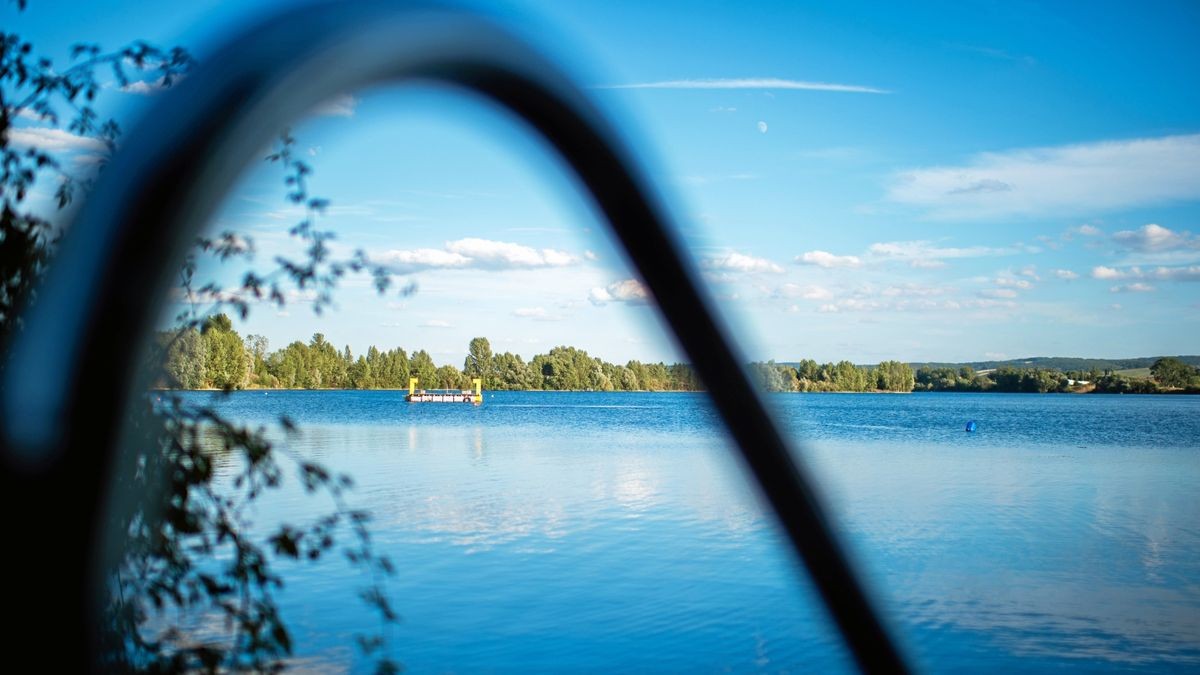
(971, 426)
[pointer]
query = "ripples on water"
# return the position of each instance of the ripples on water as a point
(566, 531)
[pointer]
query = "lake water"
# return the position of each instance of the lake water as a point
(580, 531)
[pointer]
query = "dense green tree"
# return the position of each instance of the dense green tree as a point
(258, 348)
(895, 376)
(397, 369)
(479, 360)
(326, 369)
(683, 377)
(949, 379)
(186, 359)
(807, 369)
(627, 379)
(598, 379)
(226, 366)
(1029, 380)
(449, 377)
(360, 374)
(192, 358)
(769, 376)
(290, 366)
(1111, 383)
(509, 372)
(421, 367)
(1172, 373)
(849, 377)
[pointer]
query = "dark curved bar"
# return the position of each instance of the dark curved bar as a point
(61, 414)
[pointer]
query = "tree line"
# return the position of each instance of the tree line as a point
(1167, 375)
(215, 356)
(843, 376)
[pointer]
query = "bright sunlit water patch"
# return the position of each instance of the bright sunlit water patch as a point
(568, 531)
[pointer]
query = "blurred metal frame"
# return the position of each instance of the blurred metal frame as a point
(70, 373)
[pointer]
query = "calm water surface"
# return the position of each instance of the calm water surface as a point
(576, 531)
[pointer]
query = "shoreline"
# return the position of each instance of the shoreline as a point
(1175, 392)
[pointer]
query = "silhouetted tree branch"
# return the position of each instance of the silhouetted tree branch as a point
(191, 551)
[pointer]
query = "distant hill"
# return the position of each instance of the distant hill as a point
(1063, 363)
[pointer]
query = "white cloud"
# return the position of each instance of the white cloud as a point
(749, 83)
(1137, 287)
(505, 255)
(922, 263)
(827, 260)
(926, 251)
(1050, 242)
(722, 109)
(739, 262)
(1087, 230)
(536, 313)
(1066, 274)
(862, 304)
(1069, 179)
(985, 303)
(472, 253)
(599, 296)
(338, 106)
(1102, 272)
(148, 88)
(911, 297)
(1189, 273)
(409, 261)
(810, 292)
(436, 323)
(1009, 282)
(998, 293)
(53, 140)
(629, 291)
(1154, 238)
(762, 127)
(1161, 273)
(910, 290)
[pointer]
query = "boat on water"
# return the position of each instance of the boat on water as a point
(472, 396)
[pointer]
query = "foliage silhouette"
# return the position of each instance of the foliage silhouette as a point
(189, 548)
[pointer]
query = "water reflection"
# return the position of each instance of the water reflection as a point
(618, 544)
(1086, 557)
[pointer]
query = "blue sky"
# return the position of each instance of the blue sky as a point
(922, 181)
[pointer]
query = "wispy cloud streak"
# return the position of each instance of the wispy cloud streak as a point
(1070, 180)
(749, 83)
